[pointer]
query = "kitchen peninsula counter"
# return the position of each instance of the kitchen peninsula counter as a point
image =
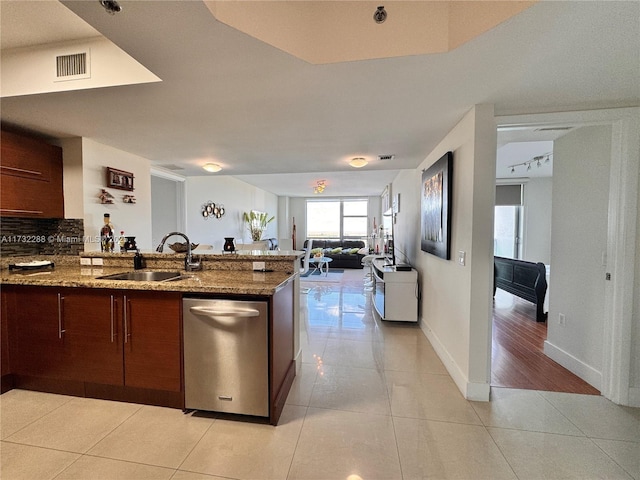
(65, 330)
(235, 282)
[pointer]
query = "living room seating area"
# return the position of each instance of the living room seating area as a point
(344, 253)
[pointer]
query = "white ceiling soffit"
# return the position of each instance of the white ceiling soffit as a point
(42, 22)
(321, 32)
(30, 55)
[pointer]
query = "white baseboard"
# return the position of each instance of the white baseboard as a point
(634, 397)
(298, 360)
(478, 392)
(586, 372)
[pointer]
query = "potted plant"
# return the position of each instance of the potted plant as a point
(256, 223)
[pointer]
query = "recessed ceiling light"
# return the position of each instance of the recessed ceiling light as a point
(358, 162)
(212, 167)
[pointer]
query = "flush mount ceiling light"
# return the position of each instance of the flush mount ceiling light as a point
(212, 167)
(358, 162)
(320, 186)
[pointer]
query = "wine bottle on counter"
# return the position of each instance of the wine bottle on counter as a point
(122, 242)
(107, 237)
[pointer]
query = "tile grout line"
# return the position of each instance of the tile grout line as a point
(500, 450)
(196, 443)
(42, 416)
(295, 448)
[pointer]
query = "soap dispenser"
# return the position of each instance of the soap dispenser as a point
(138, 263)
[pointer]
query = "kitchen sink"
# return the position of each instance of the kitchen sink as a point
(143, 276)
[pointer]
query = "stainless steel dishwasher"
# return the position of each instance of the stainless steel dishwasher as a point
(226, 364)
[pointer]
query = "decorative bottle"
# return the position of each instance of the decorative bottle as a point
(121, 241)
(106, 235)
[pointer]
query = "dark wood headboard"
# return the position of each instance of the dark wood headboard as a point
(526, 280)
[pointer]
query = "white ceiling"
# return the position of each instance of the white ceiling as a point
(280, 123)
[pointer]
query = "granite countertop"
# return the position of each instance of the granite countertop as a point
(239, 282)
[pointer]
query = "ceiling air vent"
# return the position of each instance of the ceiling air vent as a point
(552, 129)
(386, 157)
(171, 166)
(72, 67)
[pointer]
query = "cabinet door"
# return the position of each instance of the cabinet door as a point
(6, 303)
(152, 326)
(31, 176)
(92, 336)
(38, 342)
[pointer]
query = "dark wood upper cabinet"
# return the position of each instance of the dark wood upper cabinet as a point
(31, 176)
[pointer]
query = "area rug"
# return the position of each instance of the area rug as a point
(317, 272)
(334, 276)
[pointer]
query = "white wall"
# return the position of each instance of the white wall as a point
(537, 220)
(237, 197)
(72, 178)
(134, 219)
(165, 205)
(579, 224)
(635, 342)
(456, 300)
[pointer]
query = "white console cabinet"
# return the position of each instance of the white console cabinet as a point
(395, 296)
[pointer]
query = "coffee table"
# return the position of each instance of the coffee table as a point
(321, 262)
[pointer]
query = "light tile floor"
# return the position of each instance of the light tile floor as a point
(372, 401)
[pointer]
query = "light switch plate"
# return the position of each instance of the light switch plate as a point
(85, 261)
(461, 257)
(97, 261)
(259, 265)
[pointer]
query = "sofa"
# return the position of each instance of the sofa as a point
(344, 254)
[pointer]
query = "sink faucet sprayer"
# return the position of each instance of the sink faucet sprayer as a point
(189, 264)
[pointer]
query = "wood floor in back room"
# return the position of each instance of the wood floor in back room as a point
(518, 359)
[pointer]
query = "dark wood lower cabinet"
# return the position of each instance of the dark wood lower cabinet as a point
(92, 337)
(37, 347)
(281, 363)
(152, 342)
(99, 343)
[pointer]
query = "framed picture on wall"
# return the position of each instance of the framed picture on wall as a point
(435, 207)
(119, 179)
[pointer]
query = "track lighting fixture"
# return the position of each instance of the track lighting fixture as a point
(537, 160)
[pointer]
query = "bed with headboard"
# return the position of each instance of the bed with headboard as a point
(526, 280)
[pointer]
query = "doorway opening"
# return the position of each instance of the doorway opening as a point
(599, 352)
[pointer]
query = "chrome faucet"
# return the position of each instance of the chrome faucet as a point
(189, 264)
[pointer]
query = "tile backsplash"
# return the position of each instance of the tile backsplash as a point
(41, 236)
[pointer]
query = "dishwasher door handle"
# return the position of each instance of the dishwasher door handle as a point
(225, 312)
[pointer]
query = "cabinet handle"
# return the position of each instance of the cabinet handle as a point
(21, 170)
(111, 312)
(61, 330)
(126, 320)
(13, 210)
